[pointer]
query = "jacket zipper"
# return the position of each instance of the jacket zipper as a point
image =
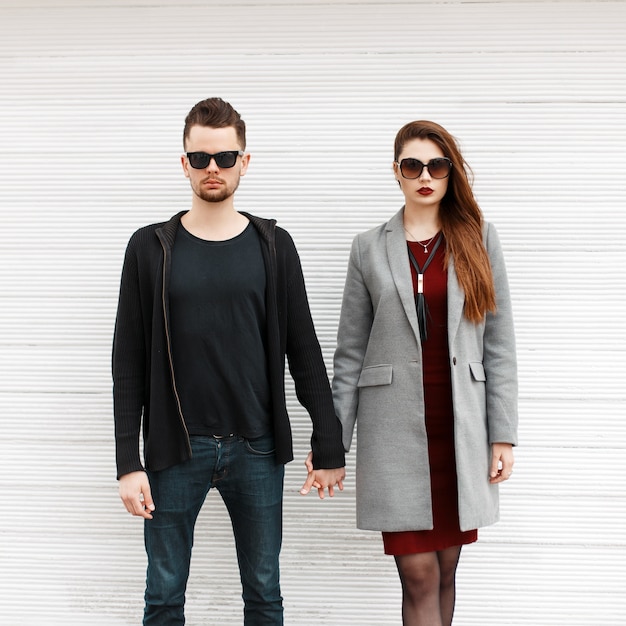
(169, 350)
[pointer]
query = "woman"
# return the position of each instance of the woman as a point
(426, 363)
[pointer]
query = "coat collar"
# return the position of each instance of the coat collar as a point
(398, 258)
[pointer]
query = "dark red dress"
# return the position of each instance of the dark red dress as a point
(439, 420)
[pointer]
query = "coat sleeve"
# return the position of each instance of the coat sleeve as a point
(499, 356)
(128, 367)
(355, 325)
(307, 368)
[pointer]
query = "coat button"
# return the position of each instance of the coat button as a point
(453, 360)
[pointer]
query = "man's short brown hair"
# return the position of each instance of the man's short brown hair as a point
(216, 113)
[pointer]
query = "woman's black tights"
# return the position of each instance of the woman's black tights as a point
(428, 586)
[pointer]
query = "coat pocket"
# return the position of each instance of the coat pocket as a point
(478, 371)
(375, 375)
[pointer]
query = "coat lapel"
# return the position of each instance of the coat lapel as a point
(401, 271)
(398, 258)
(456, 300)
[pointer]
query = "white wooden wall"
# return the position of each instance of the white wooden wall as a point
(93, 94)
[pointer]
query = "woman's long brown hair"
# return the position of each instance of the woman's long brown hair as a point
(461, 221)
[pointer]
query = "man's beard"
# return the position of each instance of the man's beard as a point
(216, 195)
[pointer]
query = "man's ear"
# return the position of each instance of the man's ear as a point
(185, 163)
(245, 161)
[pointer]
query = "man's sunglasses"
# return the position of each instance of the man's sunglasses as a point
(201, 160)
(437, 168)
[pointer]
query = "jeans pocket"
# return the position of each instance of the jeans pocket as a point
(261, 446)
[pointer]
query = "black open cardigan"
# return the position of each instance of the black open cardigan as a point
(144, 383)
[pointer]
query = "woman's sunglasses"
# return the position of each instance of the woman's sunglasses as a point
(201, 160)
(437, 168)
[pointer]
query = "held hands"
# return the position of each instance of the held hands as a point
(321, 479)
(135, 494)
(501, 462)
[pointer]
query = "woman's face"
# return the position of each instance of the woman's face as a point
(423, 191)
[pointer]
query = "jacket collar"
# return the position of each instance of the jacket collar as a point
(401, 271)
(167, 231)
(266, 227)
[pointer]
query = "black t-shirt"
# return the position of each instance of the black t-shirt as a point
(217, 305)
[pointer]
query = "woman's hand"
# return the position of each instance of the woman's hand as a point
(501, 462)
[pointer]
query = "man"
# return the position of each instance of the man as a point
(210, 303)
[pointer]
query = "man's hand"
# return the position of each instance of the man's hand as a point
(501, 462)
(321, 479)
(136, 495)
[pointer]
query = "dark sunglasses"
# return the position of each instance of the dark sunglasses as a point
(201, 160)
(437, 168)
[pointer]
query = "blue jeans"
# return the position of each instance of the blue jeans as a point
(251, 484)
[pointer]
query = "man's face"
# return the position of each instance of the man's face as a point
(213, 183)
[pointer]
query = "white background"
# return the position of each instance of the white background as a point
(93, 94)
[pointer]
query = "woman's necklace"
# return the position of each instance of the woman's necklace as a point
(420, 298)
(424, 245)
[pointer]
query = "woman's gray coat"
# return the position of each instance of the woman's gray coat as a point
(378, 385)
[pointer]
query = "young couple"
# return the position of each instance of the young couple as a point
(212, 301)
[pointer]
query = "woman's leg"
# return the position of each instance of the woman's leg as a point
(419, 575)
(428, 586)
(448, 560)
